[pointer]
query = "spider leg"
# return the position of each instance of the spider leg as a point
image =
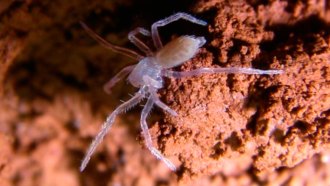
(161, 104)
(137, 42)
(229, 70)
(124, 72)
(146, 110)
(163, 22)
(108, 123)
(106, 44)
(153, 85)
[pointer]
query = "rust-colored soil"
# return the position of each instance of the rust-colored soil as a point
(231, 130)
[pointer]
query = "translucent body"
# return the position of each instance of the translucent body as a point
(178, 51)
(148, 75)
(146, 72)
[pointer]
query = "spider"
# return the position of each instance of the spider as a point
(148, 73)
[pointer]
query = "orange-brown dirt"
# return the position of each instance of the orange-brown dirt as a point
(231, 130)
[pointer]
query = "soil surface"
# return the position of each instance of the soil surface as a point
(232, 129)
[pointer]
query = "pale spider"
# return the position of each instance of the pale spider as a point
(148, 74)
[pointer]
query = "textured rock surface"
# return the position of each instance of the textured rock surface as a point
(231, 130)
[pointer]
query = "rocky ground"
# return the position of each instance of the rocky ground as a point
(232, 129)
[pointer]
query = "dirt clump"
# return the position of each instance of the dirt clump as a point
(232, 129)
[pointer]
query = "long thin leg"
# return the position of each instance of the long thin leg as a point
(161, 104)
(229, 70)
(124, 72)
(153, 85)
(118, 49)
(108, 123)
(147, 137)
(163, 22)
(132, 37)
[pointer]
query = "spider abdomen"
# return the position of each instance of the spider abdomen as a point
(178, 51)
